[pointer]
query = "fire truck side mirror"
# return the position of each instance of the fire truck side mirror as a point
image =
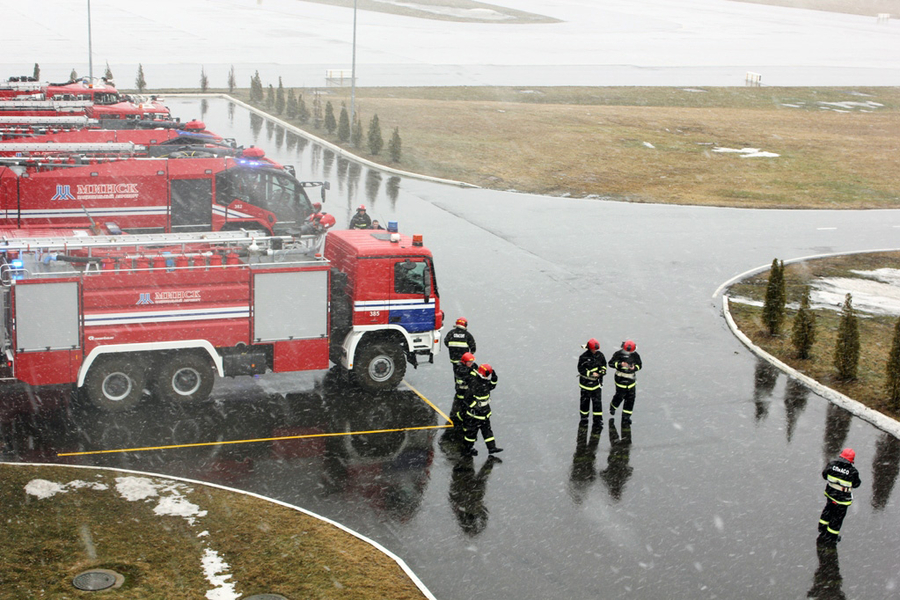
(326, 185)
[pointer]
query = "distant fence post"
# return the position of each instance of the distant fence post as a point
(753, 78)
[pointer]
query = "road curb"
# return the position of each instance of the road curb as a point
(400, 562)
(331, 146)
(852, 406)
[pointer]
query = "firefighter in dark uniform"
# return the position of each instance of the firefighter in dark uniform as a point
(842, 477)
(459, 341)
(478, 417)
(361, 220)
(463, 371)
(626, 362)
(591, 369)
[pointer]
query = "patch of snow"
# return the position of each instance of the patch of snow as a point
(43, 488)
(693, 90)
(214, 569)
(747, 152)
(649, 145)
(46, 489)
(792, 105)
(135, 488)
(719, 523)
(869, 296)
(849, 105)
(179, 506)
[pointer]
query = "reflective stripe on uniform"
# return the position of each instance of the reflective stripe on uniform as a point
(841, 502)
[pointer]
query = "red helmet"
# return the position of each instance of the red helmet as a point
(317, 206)
(629, 346)
(462, 322)
(362, 207)
(592, 344)
(467, 357)
(485, 371)
(848, 454)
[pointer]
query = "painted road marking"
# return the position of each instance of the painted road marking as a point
(275, 439)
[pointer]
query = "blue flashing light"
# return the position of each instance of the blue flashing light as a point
(17, 263)
(392, 227)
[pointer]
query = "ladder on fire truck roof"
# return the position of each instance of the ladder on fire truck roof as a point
(50, 121)
(73, 147)
(252, 240)
(60, 105)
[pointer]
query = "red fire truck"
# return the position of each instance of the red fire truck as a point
(156, 133)
(112, 315)
(98, 99)
(191, 190)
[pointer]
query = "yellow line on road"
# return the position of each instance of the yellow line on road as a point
(274, 439)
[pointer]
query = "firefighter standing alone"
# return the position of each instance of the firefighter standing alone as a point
(591, 369)
(842, 477)
(627, 362)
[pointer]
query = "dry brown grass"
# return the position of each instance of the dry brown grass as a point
(876, 333)
(596, 141)
(269, 548)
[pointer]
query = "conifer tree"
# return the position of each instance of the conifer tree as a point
(37, 72)
(892, 383)
(804, 330)
(139, 82)
(375, 141)
(270, 97)
(302, 111)
(330, 122)
(73, 76)
(395, 146)
(232, 81)
(291, 106)
(773, 308)
(846, 350)
(108, 74)
(204, 80)
(356, 138)
(343, 130)
(256, 89)
(317, 109)
(279, 98)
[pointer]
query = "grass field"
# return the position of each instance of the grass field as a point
(836, 148)
(266, 548)
(876, 332)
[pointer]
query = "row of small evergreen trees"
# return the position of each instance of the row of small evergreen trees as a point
(293, 107)
(803, 333)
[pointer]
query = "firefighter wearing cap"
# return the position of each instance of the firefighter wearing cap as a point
(463, 372)
(361, 220)
(627, 362)
(842, 477)
(459, 340)
(478, 416)
(591, 369)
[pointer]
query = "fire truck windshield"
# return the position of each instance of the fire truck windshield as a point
(269, 189)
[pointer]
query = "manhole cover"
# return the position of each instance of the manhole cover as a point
(94, 581)
(266, 597)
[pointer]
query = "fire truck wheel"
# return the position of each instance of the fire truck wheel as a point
(185, 377)
(116, 383)
(380, 366)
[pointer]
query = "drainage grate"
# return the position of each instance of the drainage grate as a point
(94, 581)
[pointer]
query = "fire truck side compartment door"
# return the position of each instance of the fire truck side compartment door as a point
(290, 305)
(47, 316)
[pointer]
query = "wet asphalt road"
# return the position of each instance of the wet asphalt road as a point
(715, 490)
